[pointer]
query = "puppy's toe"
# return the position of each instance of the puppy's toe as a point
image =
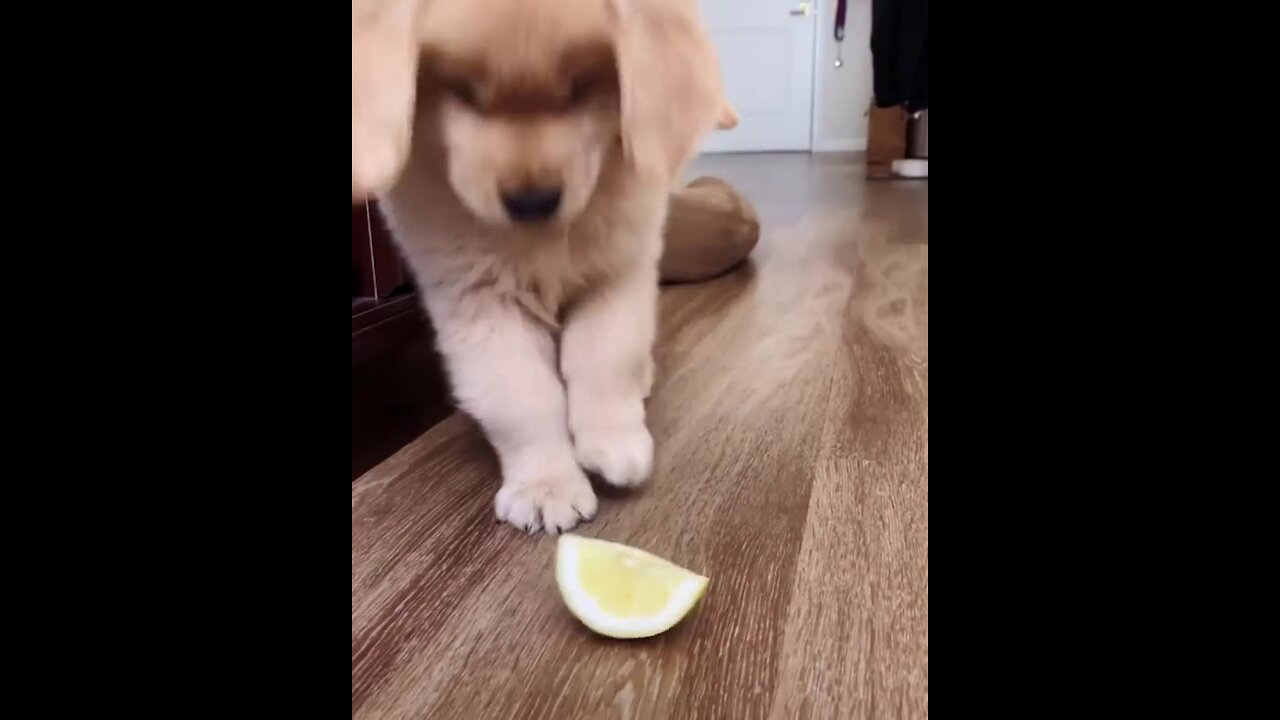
(553, 502)
(622, 457)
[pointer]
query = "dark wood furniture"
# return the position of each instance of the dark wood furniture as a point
(397, 383)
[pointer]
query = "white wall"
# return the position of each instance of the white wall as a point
(842, 95)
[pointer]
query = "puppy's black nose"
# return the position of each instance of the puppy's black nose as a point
(531, 203)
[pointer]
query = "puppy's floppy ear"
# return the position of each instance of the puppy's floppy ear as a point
(384, 67)
(670, 82)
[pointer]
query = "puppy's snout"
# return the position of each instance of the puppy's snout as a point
(531, 204)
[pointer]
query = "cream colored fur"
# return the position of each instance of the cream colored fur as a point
(547, 328)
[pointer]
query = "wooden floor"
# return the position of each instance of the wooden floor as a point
(791, 416)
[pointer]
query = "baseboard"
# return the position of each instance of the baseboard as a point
(841, 145)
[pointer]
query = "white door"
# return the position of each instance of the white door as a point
(766, 56)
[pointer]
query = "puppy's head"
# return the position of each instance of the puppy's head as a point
(530, 99)
(525, 97)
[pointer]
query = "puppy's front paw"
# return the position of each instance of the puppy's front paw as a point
(622, 457)
(553, 501)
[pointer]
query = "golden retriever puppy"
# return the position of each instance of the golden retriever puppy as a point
(529, 166)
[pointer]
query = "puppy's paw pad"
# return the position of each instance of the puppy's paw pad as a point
(555, 502)
(622, 457)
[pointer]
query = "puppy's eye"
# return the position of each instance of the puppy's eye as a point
(581, 90)
(463, 93)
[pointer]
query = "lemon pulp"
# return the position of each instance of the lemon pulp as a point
(621, 591)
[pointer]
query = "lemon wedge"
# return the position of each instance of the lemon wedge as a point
(622, 592)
